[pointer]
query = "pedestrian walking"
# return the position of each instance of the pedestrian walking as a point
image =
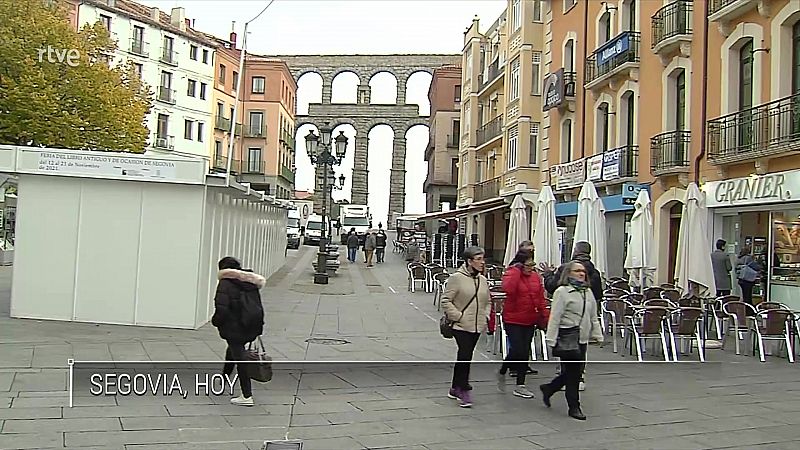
(747, 272)
(523, 309)
(721, 264)
(352, 245)
(369, 247)
(466, 303)
(573, 324)
(380, 244)
(582, 254)
(239, 318)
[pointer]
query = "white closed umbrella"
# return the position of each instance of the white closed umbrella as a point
(694, 249)
(545, 233)
(517, 228)
(640, 260)
(591, 225)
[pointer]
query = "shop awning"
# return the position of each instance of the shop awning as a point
(480, 207)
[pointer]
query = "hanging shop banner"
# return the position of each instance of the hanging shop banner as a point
(594, 167)
(613, 48)
(553, 90)
(569, 175)
(611, 162)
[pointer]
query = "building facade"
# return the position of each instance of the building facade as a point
(441, 154)
(174, 60)
(223, 101)
(501, 117)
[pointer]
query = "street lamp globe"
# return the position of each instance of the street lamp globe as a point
(341, 144)
(341, 180)
(325, 131)
(312, 143)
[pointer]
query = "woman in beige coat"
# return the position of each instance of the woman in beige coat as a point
(466, 302)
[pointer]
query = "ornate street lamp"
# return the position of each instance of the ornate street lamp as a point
(322, 153)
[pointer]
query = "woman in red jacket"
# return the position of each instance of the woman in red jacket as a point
(523, 308)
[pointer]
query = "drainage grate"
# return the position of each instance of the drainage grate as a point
(327, 341)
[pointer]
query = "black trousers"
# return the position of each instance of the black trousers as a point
(466, 342)
(747, 292)
(235, 352)
(569, 378)
(379, 252)
(520, 338)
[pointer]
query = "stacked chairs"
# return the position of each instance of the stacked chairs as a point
(416, 274)
(437, 250)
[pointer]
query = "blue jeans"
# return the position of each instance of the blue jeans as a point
(351, 254)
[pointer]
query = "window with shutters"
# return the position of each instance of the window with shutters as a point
(516, 15)
(533, 150)
(514, 87)
(513, 139)
(537, 10)
(536, 73)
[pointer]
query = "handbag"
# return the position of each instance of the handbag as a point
(261, 369)
(446, 325)
(568, 345)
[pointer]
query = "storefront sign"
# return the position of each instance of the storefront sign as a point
(611, 161)
(594, 166)
(630, 191)
(613, 48)
(569, 175)
(757, 189)
(553, 90)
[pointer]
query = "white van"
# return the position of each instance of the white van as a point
(314, 229)
(293, 229)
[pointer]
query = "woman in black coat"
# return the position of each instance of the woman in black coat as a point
(239, 317)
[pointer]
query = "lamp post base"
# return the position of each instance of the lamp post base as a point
(321, 275)
(320, 278)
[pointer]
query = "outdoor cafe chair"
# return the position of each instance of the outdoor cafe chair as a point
(634, 298)
(738, 312)
(650, 323)
(622, 285)
(671, 294)
(431, 270)
(660, 302)
(416, 274)
(439, 283)
(616, 309)
(614, 292)
(778, 325)
(685, 325)
(652, 293)
(719, 317)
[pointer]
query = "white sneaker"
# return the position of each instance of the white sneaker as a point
(242, 401)
(522, 391)
(582, 386)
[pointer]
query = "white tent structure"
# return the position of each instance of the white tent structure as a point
(591, 225)
(640, 260)
(545, 232)
(517, 228)
(694, 249)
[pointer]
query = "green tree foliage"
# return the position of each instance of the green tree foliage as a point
(87, 105)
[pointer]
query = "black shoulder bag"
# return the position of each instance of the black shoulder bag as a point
(446, 325)
(568, 345)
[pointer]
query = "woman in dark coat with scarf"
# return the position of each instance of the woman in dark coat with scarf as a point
(235, 287)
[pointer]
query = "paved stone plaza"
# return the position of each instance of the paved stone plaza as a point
(729, 402)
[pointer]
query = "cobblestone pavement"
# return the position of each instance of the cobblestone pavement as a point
(729, 402)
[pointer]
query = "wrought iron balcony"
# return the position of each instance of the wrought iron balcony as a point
(255, 131)
(166, 95)
(763, 130)
(453, 141)
(714, 6)
(613, 55)
(288, 139)
(671, 21)
(219, 163)
(489, 130)
(255, 166)
(164, 142)
(139, 47)
(669, 152)
(570, 78)
(486, 190)
(628, 162)
(287, 174)
(494, 71)
(221, 123)
(169, 57)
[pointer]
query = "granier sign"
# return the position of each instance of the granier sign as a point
(753, 190)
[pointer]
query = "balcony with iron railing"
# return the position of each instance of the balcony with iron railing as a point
(164, 142)
(628, 163)
(169, 57)
(166, 95)
(453, 141)
(725, 11)
(287, 174)
(255, 131)
(669, 152)
(486, 190)
(494, 72)
(219, 163)
(612, 58)
(139, 47)
(764, 130)
(671, 25)
(489, 131)
(570, 79)
(222, 123)
(253, 166)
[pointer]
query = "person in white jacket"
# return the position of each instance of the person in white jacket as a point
(573, 307)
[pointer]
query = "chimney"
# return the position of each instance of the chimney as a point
(155, 14)
(188, 23)
(178, 18)
(233, 35)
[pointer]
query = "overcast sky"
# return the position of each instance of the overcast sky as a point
(306, 27)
